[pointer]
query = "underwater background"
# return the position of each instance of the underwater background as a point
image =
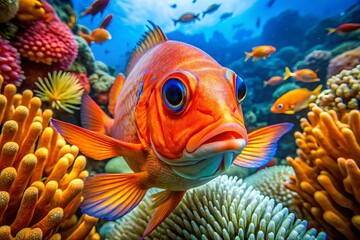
(51, 52)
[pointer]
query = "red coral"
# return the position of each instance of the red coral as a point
(83, 80)
(48, 42)
(10, 63)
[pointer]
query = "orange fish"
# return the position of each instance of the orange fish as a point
(302, 75)
(98, 35)
(344, 28)
(260, 52)
(273, 81)
(177, 121)
(295, 100)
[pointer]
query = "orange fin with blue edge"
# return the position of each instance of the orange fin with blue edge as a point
(110, 196)
(262, 145)
(150, 39)
(165, 202)
(96, 145)
(115, 91)
(93, 117)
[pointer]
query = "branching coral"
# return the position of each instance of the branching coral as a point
(343, 93)
(327, 171)
(221, 209)
(41, 177)
(61, 89)
(270, 182)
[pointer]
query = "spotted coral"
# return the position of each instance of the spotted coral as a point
(41, 177)
(327, 172)
(10, 63)
(61, 89)
(343, 93)
(221, 209)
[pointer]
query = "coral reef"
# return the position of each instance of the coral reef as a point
(221, 209)
(101, 82)
(61, 90)
(45, 45)
(85, 60)
(10, 63)
(8, 10)
(327, 173)
(345, 46)
(41, 177)
(270, 182)
(317, 60)
(343, 93)
(347, 60)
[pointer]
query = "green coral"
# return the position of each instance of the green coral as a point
(221, 209)
(101, 81)
(85, 60)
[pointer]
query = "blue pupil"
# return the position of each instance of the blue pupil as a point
(174, 93)
(240, 89)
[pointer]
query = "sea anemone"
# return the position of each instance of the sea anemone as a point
(221, 209)
(61, 89)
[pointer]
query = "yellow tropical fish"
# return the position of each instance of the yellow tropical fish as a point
(295, 100)
(177, 121)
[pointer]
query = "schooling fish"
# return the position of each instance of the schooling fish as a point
(177, 121)
(273, 81)
(344, 28)
(107, 20)
(187, 18)
(225, 15)
(212, 8)
(260, 52)
(97, 6)
(302, 75)
(295, 100)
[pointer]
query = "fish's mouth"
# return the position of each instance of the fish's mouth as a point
(210, 153)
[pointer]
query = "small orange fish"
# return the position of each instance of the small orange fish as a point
(187, 18)
(98, 35)
(295, 100)
(273, 81)
(177, 121)
(302, 75)
(344, 28)
(260, 52)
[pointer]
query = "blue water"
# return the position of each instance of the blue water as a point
(130, 18)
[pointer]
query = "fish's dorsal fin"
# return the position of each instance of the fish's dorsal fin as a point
(149, 39)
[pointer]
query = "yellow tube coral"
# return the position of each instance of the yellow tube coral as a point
(41, 178)
(327, 171)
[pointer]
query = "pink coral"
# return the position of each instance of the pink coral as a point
(47, 42)
(10, 63)
(347, 60)
(83, 80)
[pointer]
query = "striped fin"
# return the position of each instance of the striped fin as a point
(262, 145)
(111, 196)
(115, 91)
(149, 39)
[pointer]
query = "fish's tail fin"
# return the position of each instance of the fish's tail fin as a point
(317, 90)
(86, 12)
(197, 16)
(288, 73)
(331, 30)
(248, 55)
(265, 83)
(175, 22)
(87, 37)
(203, 15)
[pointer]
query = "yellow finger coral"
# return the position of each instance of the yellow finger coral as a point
(328, 171)
(41, 177)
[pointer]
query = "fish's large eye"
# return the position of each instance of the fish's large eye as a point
(280, 106)
(240, 89)
(174, 94)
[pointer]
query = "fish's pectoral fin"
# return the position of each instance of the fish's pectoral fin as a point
(262, 145)
(164, 202)
(111, 196)
(115, 91)
(93, 117)
(96, 145)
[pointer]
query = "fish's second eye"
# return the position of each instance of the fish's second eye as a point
(280, 106)
(174, 94)
(240, 89)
